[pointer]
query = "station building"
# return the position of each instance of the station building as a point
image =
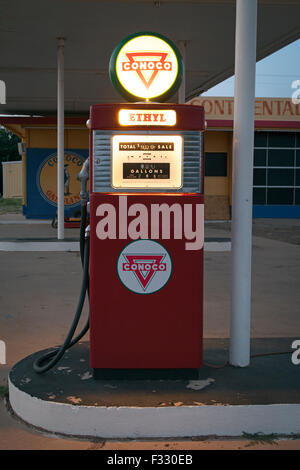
(276, 172)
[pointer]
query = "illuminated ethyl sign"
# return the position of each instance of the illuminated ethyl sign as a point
(146, 65)
(147, 117)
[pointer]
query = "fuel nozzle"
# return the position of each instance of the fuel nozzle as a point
(83, 177)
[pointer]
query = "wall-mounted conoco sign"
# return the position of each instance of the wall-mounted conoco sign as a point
(146, 66)
(47, 179)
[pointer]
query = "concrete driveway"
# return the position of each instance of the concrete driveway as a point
(39, 292)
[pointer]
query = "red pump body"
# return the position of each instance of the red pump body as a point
(146, 238)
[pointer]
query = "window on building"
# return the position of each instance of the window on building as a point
(260, 139)
(281, 139)
(276, 173)
(215, 164)
(260, 157)
(259, 196)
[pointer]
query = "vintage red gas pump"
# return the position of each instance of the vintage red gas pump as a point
(142, 256)
(146, 219)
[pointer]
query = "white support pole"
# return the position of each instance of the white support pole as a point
(60, 138)
(181, 91)
(243, 137)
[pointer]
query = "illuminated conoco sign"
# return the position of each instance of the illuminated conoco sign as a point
(146, 66)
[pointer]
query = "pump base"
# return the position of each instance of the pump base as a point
(145, 374)
(223, 401)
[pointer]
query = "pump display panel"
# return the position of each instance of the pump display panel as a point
(146, 171)
(147, 161)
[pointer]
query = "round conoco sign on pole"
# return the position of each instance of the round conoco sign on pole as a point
(146, 66)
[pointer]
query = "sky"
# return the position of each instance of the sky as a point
(274, 75)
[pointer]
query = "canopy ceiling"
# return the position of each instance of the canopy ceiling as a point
(92, 28)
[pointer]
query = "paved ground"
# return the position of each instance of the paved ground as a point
(284, 230)
(38, 295)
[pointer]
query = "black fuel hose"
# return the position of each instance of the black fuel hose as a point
(83, 221)
(43, 363)
(48, 360)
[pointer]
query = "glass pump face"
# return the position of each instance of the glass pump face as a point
(147, 161)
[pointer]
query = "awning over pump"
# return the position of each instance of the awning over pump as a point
(92, 29)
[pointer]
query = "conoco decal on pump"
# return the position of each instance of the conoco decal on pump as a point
(144, 266)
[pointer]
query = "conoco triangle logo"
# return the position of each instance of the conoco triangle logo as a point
(144, 267)
(147, 65)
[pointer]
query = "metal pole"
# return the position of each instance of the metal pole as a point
(60, 139)
(243, 137)
(181, 91)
